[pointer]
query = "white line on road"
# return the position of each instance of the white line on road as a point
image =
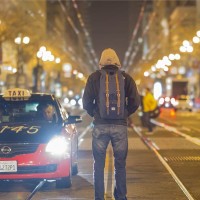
(169, 169)
(83, 134)
(173, 129)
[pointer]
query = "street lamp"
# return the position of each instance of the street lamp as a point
(20, 41)
(43, 55)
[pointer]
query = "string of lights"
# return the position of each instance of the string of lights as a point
(81, 63)
(78, 32)
(86, 33)
(135, 31)
(154, 48)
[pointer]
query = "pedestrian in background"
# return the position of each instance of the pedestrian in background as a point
(149, 104)
(109, 130)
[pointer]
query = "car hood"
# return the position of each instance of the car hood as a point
(31, 132)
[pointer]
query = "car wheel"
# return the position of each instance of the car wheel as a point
(65, 182)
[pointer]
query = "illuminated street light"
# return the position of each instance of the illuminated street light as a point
(75, 72)
(171, 56)
(57, 60)
(20, 41)
(196, 39)
(26, 40)
(186, 43)
(177, 56)
(146, 73)
(80, 75)
(183, 49)
(198, 33)
(46, 55)
(190, 49)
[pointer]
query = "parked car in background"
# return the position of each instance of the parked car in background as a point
(32, 147)
(183, 102)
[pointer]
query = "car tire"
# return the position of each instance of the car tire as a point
(65, 182)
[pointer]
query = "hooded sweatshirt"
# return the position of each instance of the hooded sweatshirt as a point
(109, 60)
(109, 57)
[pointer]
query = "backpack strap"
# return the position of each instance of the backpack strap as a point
(107, 93)
(118, 93)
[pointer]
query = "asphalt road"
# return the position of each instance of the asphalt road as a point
(164, 165)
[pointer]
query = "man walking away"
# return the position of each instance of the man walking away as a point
(110, 121)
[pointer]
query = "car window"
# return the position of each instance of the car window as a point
(22, 111)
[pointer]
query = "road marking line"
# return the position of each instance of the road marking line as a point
(173, 129)
(169, 169)
(180, 184)
(83, 134)
(179, 124)
(196, 129)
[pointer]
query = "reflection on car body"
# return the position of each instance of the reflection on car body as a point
(32, 147)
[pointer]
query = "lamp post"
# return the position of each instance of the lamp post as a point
(20, 41)
(19, 79)
(39, 74)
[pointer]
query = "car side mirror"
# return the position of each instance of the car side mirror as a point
(73, 119)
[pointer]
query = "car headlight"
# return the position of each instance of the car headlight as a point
(58, 145)
(161, 101)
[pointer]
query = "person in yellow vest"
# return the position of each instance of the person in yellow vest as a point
(149, 104)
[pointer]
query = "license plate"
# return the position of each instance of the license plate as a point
(8, 166)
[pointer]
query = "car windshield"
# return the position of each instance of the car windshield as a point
(24, 111)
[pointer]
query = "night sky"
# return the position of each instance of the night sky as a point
(111, 27)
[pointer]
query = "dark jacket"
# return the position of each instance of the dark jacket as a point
(91, 96)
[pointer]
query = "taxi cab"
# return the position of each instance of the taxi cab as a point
(31, 147)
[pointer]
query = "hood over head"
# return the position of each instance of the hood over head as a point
(109, 57)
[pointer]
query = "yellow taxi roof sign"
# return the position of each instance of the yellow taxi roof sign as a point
(16, 93)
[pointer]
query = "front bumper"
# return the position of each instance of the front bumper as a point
(38, 165)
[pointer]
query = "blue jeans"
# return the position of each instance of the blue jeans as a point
(117, 135)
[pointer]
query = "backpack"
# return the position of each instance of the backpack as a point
(111, 94)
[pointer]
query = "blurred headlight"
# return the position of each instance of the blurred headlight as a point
(191, 103)
(167, 99)
(173, 101)
(161, 101)
(167, 105)
(58, 146)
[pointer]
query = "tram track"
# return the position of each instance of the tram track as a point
(194, 140)
(109, 184)
(178, 124)
(152, 145)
